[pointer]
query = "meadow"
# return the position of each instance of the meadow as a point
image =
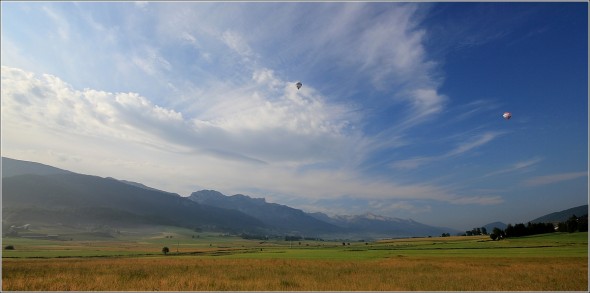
(213, 262)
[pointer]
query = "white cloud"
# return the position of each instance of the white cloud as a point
(385, 207)
(413, 163)
(464, 147)
(425, 103)
(189, 38)
(293, 128)
(554, 178)
(267, 77)
(467, 146)
(63, 27)
(124, 133)
(381, 46)
(237, 43)
(518, 166)
(479, 200)
(476, 107)
(151, 61)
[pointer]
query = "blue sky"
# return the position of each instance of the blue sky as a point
(400, 113)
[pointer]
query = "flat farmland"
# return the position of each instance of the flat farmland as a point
(554, 262)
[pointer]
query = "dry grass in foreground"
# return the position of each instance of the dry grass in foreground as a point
(214, 274)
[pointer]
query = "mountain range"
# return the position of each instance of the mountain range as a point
(55, 196)
(287, 219)
(279, 218)
(34, 193)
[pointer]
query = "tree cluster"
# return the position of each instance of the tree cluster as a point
(520, 230)
(497, 233)
(477, 231)
(254, 236)
(573, 224)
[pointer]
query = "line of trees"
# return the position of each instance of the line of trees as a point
(476, 231)
(520, 230)
(573, 224)
(254, 236)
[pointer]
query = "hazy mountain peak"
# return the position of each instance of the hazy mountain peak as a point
(206, 195)
(245, 197)
(283, 218)
(372, 216)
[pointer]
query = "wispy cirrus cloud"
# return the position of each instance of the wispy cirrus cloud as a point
(386, 52)
(385, 207)
(238, 44)
(461, 148)
(518, 166)
(469, 145)
(63, 27)
(151, 61)
(554, 178)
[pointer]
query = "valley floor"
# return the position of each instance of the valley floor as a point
(210, 262)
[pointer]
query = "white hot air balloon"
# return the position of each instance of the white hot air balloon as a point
(507, 115)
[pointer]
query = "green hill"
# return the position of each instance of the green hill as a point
(563, 215)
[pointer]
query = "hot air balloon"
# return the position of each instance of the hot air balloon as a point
(507, 115)
(299, 84)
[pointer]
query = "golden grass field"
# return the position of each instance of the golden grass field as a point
(223, 274)
(556, 262)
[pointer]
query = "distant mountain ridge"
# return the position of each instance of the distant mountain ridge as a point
(50, 195)
(380, 226)
(289, 219)
(490, 227)
(37, 192)
(13, 167)
(280, 217)
(562, 216)
(34, 192)
(143, 186)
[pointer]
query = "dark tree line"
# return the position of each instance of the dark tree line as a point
(519, 230)
(573, 224)
(254, 236)
(476, 231)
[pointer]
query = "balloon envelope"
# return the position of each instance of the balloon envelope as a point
(507, 115)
